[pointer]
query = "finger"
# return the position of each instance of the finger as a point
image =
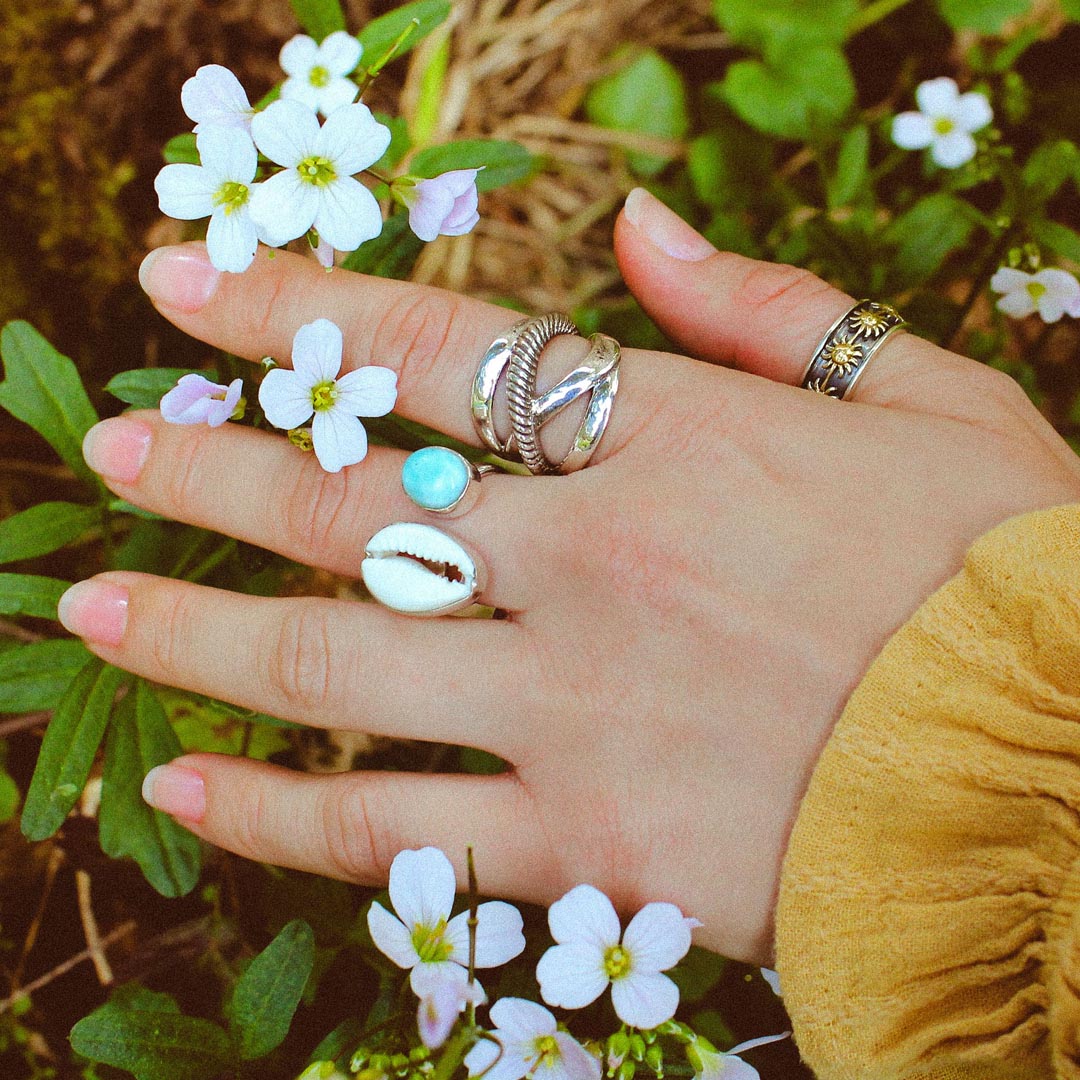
(326, 663)
(766, 318)
(351, 825)
(260, 488)
(432, 338)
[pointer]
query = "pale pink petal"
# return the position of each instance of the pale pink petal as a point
(214, 96)
(426, 977)
(584, 915)
(297, 88)
(440, 1008)
(339, 439)
(185, 191)
(316, 355)
(231, 239)
(368, 391)
(285, 397)
(510, 1064)
(431, 206)
(283, 207)
(464, 216)
(482, 1056)
(498, 934)
(732, 1068)
(521, 1020)
(1017, 304)
(286, 132)
(912, 131)
(574, 1061)
(973, 111)
(228, 154)
(339, 52)
(324, 254)
(937, 97)
(761, 1040)
(571, 976)
(222, 410)
(298, 56)
(953, 150)
(459, 181)
(336, 94)
(1006, 279)
(391, 936)
(353, 139)
(422, 886)
(773, 979)
(643, 1000)
(347, 214)
(657, 938)
(188, 402)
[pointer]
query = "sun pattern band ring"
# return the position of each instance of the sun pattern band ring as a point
(847, 348)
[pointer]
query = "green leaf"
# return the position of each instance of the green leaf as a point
(268, 993)
(44, 528)
(795, 94)
(181, 150)
(852, 167)
(319, 17)
(68, 749)
(1058, 238)
(29, 594)
(1071, 9)
(43, 389)
(697, 973)
(392, 254)
(757, 24)
(1049, 166)
(36, 676)
(502, 162)
(381, 33)
(152, 1040)
(9, 797)
(139, 739)
(204, 725)
(926, 235)
(647, 96)
(986, 16)
(145, 387)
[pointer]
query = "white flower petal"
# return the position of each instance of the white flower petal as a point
(426, 977)
(231, 239)
(643, 1001)
(283, 207)
(773, 979)
(1050, 307)
(761, 1040)
(285, 397)
(498, 934)
(336, 94)
(429, 210)
(339, 439)
(391, 936)
(1059, 282)
(571, 976)
(422, 886)
(353, 139)
(912, 131)
(347, 214)
(733, 1068)
(316, 355)
(339, 52)
(574, 1062)
(286, 132)
(482, 1056)
(214, 96)
(185, 191)
(298, 56)
(1006, 279)
(973, 111)
(584, 914)
(511, 1064)
(368, 391)
(953, 150)
(1018, 304)
(297, 88)
(228, 154)
(937, 97)
(521, 1020)
(657, 938)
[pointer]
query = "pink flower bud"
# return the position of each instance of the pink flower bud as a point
(196, 400)
(444, 205)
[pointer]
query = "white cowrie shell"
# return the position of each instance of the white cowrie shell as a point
(399, 570)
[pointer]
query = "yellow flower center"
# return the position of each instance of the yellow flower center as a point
(547, 1051)
(323, 396)
(1036, 289)
(943, 125)
(317, 170)
(429, 944)
(617, 962)
(231, 195)
(318, 76)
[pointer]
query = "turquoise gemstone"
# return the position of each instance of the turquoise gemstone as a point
(435, 477)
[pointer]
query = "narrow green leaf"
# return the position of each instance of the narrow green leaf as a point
(44, 528)
(36, 676)
(319, 17)
(501, 162)
(43, 389)
(986, 16)
(145, 387)
(1049, 166)
(392, 254)
(29, 594)
(266, 997)
(9, 797)
(139, 739)
(852, 167)
(67, 751)
(381, 33)
(925, 236)
(181, 150)
(1058, 238)
(153, 1043)
(757, 23)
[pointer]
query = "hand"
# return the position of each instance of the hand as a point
(689, 613)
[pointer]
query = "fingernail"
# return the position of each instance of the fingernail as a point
(665, 228)
(95, 610)
(176, 790)
(179, 277)
(117, 448)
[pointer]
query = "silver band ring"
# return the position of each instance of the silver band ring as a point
(850, 344)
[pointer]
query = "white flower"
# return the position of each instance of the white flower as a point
(773, 979)
(440, 1007)
(712, 1064)
(531, 1045)
(944, 122)
(290, 397)
(1051, 292)
(589, 955)
(213, 97)
(316, 186)
(221, 189)
(423, 938)
(317, 73)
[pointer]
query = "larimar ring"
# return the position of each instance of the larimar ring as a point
(850, 344)
(441, 480)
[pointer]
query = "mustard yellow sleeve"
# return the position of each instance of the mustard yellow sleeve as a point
(928, 922)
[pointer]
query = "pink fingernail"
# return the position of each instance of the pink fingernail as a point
(117, 448)
(180, 277)
(665, 228)
(95, 610)
(176, 790)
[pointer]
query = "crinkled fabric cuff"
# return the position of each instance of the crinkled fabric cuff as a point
(928, 922)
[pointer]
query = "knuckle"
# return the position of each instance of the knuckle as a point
(172, 628)
(777, 291)
(356, 848)
(187, 476)
(416, 332)
(304, 665)
(317, 506)
(265, 317)
(252, 827)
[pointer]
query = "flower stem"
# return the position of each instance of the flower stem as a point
(212, 561)
(472, 923)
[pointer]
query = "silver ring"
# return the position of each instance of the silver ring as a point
(850, 344)
(441, 480)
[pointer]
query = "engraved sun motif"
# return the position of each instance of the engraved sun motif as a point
(842, 355)
(821, 386)
(872, 321)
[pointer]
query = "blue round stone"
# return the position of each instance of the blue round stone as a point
(435, 477)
